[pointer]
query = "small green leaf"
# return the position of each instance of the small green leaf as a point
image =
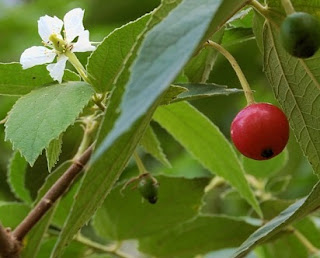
(42, 115)
(293, 213)
(12, 213)
(267, 168)
(128, 216)
(152, 145)
(16, 177)
(204, 90)
(198, 236)
(211, 149)
(53, 152)
(16, 81)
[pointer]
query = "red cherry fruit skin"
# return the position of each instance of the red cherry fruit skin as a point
(260, 131)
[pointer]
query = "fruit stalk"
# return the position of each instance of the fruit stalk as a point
(53, 194)
(139, 163)
(288, 7)
(243, 81)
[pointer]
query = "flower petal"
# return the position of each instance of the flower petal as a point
(73, 23)
(83, 44)
(48, 25)
(36, 56)
(57, 70)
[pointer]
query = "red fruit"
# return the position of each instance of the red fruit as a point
(260, 131)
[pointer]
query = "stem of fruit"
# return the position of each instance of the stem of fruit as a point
(139, 163)
(98, 247)
(310, 247)
(243, 81)
(288, 7)
(53, 194)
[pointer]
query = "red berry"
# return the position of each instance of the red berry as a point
(260, 131)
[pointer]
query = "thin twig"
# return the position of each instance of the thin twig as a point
(53, 194)
(9, 247)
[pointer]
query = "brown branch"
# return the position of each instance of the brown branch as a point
(53, 194)
(9, 247)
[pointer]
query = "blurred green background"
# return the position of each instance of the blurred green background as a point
(18, 27)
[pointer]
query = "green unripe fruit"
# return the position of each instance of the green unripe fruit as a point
(300, 34)
(148, 187)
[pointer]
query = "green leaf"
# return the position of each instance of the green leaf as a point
(211, 149)
(53, 152)
(158, 62)
(16, 177)
(293, 213)
(199, 236)
(152, 145)
(16, 81)
(199, 67)
(103, 173)
(204, 90)
(108, 59)
(267, 168)
(42, 115)
(12, 213)
(127, 216)
(295, 83)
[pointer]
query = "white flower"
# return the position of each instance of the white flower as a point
(56, 45)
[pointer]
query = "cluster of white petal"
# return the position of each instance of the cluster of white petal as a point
(47, 26)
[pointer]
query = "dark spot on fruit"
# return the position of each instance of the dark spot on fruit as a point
(267, 153)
